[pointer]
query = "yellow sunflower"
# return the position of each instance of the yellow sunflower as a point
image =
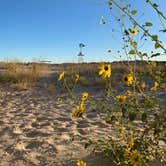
(155, 86)
(143, 85)
(121, 98)
(128, 79)
(59, 99)
(104, 70)
(134, 31)
(84, 96)
(61, 75)
(78, 111)
(81, 163)
(128, 92)
(77, 77)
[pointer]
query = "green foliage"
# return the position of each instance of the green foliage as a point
(154, 37)
(102, 20)
(155, 5)
(138, 126)
(132, 52)
(132, 115)
(134, 44)
(157, 45)
(133, 111)
(144, 117)
(148, 24)
(133, 12)
(154, 55)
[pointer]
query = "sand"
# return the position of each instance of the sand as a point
(37, 130)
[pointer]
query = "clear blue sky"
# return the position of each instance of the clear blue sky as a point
(52, 29)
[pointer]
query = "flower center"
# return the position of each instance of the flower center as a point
(126, 79)
(106, 68)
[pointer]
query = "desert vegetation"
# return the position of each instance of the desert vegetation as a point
(22, 75)
(84, 114)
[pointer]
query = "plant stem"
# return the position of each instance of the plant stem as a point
(141, 27)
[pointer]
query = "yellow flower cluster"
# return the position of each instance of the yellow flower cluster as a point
(128, 93)
(132, 154)
(134, 158)
(85, 96)
(155, 86)
(61, 75)
(131, 144)
(143, 85)
(77, 77)
(121, 98)
(81, 163)
(80, 109)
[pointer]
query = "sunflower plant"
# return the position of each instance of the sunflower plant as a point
(134, 111)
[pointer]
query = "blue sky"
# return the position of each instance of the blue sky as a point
(52, 29)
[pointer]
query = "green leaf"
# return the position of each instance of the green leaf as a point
(113, 118)
(126, 32)
(133, 12)
(134, 23)
(164, 30)
(144, 117)
(148, 24)
(157, 45)
(155, 37)
(155, 5)
(108, 119)
(128, 6)
(132, 52)
(124, 110)
(109, 3)
(154, 55)
(132, 115)
(133, 43)
(102, 21)
(145, 54)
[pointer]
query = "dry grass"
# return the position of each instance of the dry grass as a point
(89, 71)
(21, 75)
